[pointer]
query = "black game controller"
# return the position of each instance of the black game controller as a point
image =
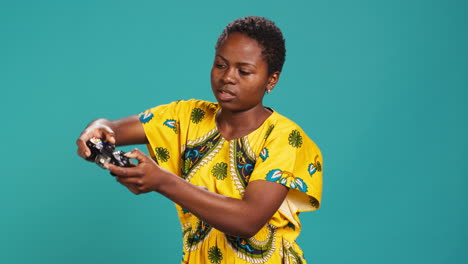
(104, 153)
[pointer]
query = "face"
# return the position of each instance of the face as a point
(239, 77)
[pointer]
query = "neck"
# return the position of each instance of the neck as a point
(234, 125)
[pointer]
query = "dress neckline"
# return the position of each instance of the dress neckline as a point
(271, 116)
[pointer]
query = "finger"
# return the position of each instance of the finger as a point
(135, 181)
(108, 135)
(132, 188)
(138, 155)
(103, 132)
(83, 150)
(123, 171)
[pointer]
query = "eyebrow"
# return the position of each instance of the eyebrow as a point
(239, 63)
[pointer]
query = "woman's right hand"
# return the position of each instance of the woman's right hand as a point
(100, 128)
(120, 132)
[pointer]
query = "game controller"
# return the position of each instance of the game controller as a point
(103, 153)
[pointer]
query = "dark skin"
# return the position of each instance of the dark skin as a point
(239, 79)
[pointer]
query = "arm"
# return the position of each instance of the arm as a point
(125, 131)
(237, 217)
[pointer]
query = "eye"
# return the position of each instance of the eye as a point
(220, 65)
(244, 72)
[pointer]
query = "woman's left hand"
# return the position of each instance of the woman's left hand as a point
(143, 178)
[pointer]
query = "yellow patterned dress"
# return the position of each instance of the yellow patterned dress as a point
(184, 139)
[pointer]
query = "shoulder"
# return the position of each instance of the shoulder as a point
(289, 132)
(197, 105)
(181, 106)
(194, 106)
(283, 125)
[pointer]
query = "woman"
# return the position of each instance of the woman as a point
(239, 172)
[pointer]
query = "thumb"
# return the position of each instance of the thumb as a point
(109, 135)
(137, 154)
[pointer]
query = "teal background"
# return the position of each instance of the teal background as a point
(380, 86)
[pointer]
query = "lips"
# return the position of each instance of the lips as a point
(225, 95)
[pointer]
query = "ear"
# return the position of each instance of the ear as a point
(272, 81)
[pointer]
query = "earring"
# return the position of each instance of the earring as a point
(268, 91)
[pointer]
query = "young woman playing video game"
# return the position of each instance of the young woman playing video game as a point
(239, 172)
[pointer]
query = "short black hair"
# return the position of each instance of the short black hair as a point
(266, 33)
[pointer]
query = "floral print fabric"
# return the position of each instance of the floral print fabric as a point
(184, 139)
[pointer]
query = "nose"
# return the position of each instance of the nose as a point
(229, 76)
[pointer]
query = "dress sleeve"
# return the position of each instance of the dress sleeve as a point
(289, 157)
(161, 125)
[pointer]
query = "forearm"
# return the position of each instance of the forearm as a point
(126, 131)
(226, 214)
(237, 217)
